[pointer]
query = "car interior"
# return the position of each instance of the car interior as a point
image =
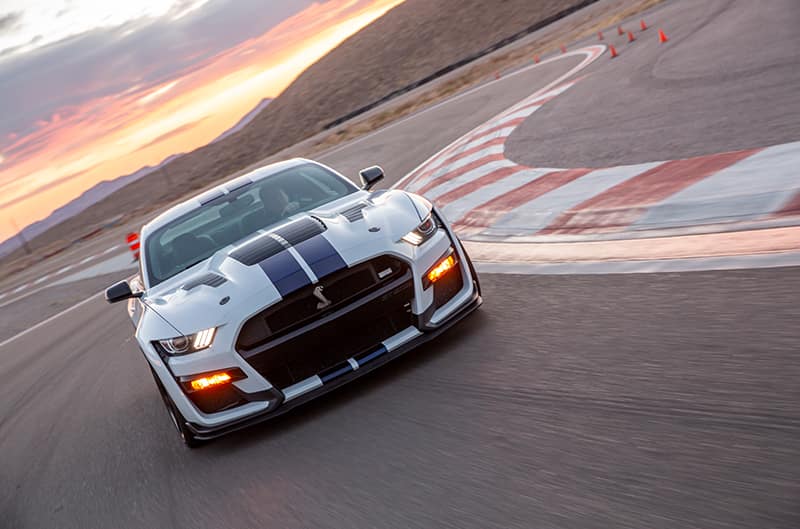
(234, 216)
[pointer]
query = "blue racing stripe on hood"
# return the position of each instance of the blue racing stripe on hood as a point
(321, 256)
(285, 273)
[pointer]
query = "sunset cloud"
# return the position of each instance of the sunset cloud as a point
(33, 24)
(158, 92)
(105, 102)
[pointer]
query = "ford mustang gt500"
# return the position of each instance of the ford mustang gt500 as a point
(283, 284)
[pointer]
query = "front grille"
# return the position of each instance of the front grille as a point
(321, 343)
(302, 307)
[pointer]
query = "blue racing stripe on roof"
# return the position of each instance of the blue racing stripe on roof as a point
(321, 256)
(285, 273)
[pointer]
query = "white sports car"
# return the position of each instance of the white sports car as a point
(284, 283)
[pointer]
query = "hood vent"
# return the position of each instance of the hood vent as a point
(257, 250)
(266, 246)
(210, 279)
(300, 230)
(354, 213)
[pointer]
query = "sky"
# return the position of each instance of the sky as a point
(95, 89)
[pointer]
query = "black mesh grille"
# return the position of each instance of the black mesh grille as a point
(303, 307)
(319, 345)
(257, 250)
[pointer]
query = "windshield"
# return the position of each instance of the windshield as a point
(197, 235)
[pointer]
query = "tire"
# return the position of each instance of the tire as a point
(175, 416)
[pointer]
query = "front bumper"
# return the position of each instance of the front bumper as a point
(261, 395)
(344, 372)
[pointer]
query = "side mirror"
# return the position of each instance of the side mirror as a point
(120, 292)
(370, 176)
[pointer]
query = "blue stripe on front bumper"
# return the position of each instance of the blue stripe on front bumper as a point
(371, 356)
(345, 367)
(336, 371)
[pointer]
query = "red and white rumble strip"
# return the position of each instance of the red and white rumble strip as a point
(490, 197)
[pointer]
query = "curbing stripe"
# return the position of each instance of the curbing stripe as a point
(653, 266)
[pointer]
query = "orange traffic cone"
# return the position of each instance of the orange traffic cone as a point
(613, 50)
(662, 38)
(642, 25)
(563, 49)
(631, 38)
(536, 59)
(620, 31)
(599, 35)
(497, 76)
(133, 243)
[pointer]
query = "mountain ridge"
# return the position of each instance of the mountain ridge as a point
(408, 43)
(104, 188)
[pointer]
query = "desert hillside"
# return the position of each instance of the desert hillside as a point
(410, 42)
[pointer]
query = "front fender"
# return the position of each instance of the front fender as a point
(422, 205)
(397, 211)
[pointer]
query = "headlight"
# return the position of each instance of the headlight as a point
(189, 344)
(421, 233)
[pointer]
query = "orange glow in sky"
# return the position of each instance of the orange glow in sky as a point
(115, 135)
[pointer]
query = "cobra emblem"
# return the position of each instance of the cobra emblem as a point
(323, 301)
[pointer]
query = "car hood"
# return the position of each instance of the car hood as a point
(235, 283)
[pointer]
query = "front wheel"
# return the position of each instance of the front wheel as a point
(175, 415)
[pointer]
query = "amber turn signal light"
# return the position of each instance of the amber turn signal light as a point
(444, 266)
(210, 381)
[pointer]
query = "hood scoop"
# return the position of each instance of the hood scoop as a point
(300, 230)
(210, 279)
(354, 213)
(257, 250)
(274, 242)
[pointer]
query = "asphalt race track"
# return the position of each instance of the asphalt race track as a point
(625, 400)
(724, 84)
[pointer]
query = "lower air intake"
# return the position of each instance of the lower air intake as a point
(337, 336)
